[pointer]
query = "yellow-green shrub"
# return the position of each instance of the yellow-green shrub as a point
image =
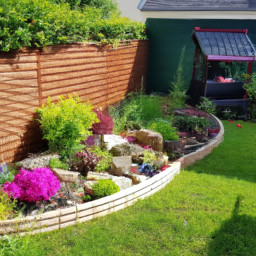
(66, 123)
(7, 205)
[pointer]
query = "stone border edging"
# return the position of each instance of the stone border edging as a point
(205, 150)
(70, 216)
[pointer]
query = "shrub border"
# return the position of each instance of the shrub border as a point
(62, 218)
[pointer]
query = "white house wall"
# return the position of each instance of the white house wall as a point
(245, 15)
(129, 9)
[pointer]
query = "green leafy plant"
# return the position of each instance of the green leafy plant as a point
(104, 188)
(86, 198)
(104, 156)
(149, 157)
(245, 77)
(5, 174)
(207, 105)
(136, 110)
(234, 69)
(132, 125)
(251, 89)
(178, 93)
(189, 123)
(38, 23)
(66, 123)
(7, 205)
(165, 128)
(107, 8)
(57, 163)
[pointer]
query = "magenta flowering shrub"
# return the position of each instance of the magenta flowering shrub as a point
(32, 186)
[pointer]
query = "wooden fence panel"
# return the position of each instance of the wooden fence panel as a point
(27, 78)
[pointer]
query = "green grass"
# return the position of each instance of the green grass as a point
(209, 209)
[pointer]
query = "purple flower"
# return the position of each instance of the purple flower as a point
(3, 168)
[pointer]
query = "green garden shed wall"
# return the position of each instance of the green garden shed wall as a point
(169, 36)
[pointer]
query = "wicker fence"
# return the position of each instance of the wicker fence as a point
(27, 78)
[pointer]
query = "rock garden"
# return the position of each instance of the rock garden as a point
(93, 153)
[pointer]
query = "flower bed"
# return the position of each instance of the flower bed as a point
(70, 184)
(61, 218)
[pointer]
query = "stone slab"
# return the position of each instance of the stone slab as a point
(121, 165)
(98, 176)
(66, 176)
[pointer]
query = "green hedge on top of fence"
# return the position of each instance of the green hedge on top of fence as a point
(38, 23)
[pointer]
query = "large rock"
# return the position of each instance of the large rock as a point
(121, 165)
(153, 139)
(98, 176)
(121, 149)
(122, 182)
(126, 149)
(111, 140)
(66, 176)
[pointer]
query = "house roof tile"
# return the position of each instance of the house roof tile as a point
(197, 5)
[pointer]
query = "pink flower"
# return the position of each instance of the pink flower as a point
(33, 186)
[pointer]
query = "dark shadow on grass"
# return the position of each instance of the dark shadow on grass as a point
(237, 235)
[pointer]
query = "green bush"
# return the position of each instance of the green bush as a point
(138, 109)
(108, 8)
(105, 158)
(251, 89)
(66, 123)
(105, 188)
(165, 128)
(189, 123)
(207, 105)
(116, 29)
(57, 163)
(38, 23)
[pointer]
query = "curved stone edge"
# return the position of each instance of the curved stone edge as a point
(205, 150)
(84, 212)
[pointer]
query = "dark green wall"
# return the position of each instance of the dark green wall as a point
(167, 38)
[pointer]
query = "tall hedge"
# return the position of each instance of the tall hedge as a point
(37, 23)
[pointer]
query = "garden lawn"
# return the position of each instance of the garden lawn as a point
(208, 209)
